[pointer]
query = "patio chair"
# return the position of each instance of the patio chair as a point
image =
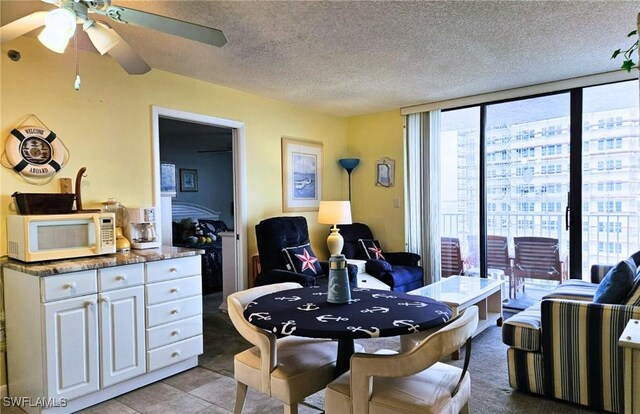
(450, 257)
(536, 258)
(498, 261)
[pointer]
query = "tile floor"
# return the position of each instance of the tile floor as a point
(197, 390)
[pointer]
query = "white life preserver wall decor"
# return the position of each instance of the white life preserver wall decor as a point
(34, 152)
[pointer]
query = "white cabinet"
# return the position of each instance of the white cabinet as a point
(173, 311)
(81, 338)
(122, 335)
(71, 336)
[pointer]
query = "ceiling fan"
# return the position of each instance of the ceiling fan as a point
(60, 25)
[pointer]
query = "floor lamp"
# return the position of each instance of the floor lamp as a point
(349, 164)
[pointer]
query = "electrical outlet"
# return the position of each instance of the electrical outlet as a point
(396, 203)
(65, 186)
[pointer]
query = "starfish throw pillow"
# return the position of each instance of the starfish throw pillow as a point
(371, 249)
(302, 259)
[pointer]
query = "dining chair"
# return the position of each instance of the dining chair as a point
(289, 368)
(409, 382)
(536, 258)
(450, 257)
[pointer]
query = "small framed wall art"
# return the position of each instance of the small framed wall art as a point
(188, 180)
(168, 179)
(385, 171)
(301, 174)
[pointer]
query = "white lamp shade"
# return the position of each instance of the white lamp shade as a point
(101, 36)
(52, 40)
(334, 212)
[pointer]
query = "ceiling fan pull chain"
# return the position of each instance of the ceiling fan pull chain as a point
(76, 85)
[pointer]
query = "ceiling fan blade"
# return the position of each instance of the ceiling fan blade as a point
(175, 27)
(127, 57)
(22, 26)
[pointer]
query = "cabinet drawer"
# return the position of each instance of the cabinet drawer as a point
(173, 268)
(173, 289)
(68, 285)
(173, 311)
(174, 332)
(170, 354)
(120, 277)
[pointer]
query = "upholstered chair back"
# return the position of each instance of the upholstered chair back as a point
(273, 234)
(351, 233)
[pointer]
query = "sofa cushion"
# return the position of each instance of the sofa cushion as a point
(633, 298)
(371, 249)
(617, 284)
(574, 289)
(524, 330)
(302, 259)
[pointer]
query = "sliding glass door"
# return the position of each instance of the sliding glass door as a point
(527, 147)
(561, 167)
(610, 173)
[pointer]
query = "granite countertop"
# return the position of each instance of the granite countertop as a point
(55, 267)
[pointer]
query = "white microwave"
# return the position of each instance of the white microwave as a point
(34, 238)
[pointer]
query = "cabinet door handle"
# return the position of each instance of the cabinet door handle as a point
(175, 290)
(173, 269)
(176, 332)
(175, 311)
(105, 299)
(71, 285)
(121, 277)
(175, 354)
(89, 304)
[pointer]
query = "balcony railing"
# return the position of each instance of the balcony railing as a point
(606, 238)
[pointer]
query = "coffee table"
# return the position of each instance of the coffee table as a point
(460, 292)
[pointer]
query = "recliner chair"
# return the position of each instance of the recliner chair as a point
(272, 236)
(399, 270)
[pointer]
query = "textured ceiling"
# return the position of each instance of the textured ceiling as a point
(348, 57)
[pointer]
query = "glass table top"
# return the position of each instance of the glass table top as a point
(456, 290)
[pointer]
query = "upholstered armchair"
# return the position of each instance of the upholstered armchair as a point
(399, 270)
(286, 254)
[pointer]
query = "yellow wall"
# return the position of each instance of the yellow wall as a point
(107, 127)
(370, 138)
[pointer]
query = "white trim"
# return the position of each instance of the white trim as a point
(583, 81)
(239, 176)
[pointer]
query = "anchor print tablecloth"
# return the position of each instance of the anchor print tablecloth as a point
(371, 313)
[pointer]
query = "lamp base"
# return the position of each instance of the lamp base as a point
(335, 242)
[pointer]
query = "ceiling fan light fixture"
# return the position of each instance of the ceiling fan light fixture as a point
(59, 26)
(53, 41)
(101, 37)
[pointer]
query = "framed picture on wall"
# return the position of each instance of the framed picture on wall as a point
(168, 179)
(188, 180)
(301, 174)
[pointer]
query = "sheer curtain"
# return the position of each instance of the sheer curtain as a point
(423, 190)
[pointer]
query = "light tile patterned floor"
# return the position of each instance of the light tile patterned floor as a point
(196, 391)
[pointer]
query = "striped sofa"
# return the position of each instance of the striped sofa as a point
(566, 347)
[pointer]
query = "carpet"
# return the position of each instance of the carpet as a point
(490, 390)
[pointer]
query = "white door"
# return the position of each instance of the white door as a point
(71, 337)
(122, 334)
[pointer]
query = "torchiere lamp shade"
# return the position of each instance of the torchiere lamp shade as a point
(349, 164)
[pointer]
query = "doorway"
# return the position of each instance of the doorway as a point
(235, 208)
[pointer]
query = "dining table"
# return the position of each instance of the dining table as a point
(370, 313)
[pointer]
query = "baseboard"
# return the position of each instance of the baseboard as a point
(3, 391)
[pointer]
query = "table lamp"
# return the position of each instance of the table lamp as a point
(334, 213)
(349, 164)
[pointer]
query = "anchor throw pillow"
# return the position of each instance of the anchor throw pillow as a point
(302, 259)
(371, 249)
